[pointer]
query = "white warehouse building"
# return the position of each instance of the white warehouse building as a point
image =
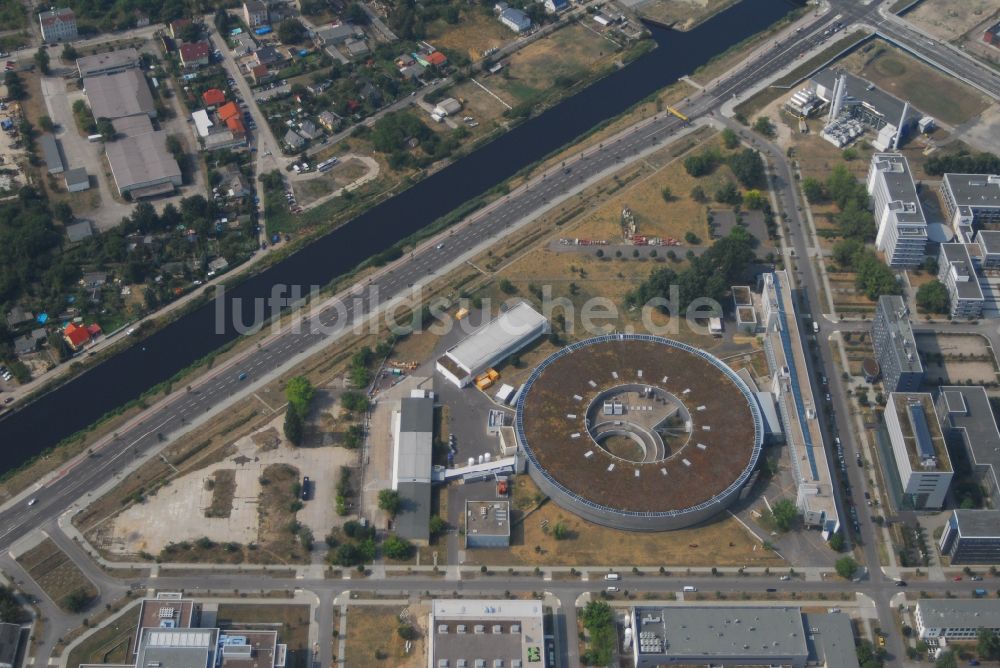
(495, 341)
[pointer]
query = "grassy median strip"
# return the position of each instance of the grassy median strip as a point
(58, 576)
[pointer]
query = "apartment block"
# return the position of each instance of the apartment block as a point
(902, 229)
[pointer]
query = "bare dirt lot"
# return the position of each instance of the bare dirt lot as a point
(372, 637)
(953, 359)
(682, 14)
(928, 89)
(949, 19)
(723, 542)
(188, 508)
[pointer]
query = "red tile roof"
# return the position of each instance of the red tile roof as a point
(228, 110)
(192, 51)
(259, 71)
(76, 336)
(437, 58)
(213, 96)
(235, 123)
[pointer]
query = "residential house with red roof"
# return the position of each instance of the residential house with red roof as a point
(194, 54)
(213, 97)
(77, 336)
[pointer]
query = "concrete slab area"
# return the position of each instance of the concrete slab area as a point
(177, 512)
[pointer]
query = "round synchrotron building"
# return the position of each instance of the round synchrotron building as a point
(638, 432)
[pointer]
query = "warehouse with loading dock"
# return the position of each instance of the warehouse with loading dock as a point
(492, 343)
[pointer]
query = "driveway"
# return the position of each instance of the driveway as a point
(81, 153)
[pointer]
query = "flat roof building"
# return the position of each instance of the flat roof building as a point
(727, 636)
(895, 347)
(107, 63)
(786, 358)
(918, 447)
(10, 638)
(58, 25)
(902, 229)
(956, 271)
(177, 647)
(77, 180)
(973, 536)
(51, 154)
(971, 201)
(515, 19)
(495, 341)
(955, 619)
(413, 433)
(486, 633)
(120, 94)
(831, 640)
(487, 524)
(141, 163)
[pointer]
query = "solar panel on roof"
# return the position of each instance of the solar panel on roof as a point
(918, 419)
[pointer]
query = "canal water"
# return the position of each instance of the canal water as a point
(62, 412)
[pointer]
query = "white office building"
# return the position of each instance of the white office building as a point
(971, 200)
(922, 461)
(902, 229)
(955, 619)
(955, 270)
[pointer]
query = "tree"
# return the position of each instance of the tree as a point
(354, 401)
(692, 238)
(291, 31)
(407, 632)
(42, 60)
(946, 660)
(837, 542)
(45, 123)
(730, 139)
(11, 611)
(667, 194)
(764, 126)
(988, 645)
(437, 526)
(754, 199)
(15, 86)
(397, 548)
(845, 251)
(106, 129)
(701, 164)
(506, 287)
(814, 190)
(698, 194)
(846, 567)
(69, 53)
(598, 619)
(357, 15)
(785, 513)
(77, 600)
(727, 194)
(748, 167)
(855, 221)
(873, 277)
(299, 394)
(933, 297)
(293, 426)
(560, 531)
(389, 502)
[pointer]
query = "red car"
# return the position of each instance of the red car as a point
(957, 578)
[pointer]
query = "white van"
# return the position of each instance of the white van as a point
(689, 589)
(612, 576)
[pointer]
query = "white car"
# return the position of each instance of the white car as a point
(32, 501)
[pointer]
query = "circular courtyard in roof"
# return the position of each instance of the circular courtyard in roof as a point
(638, 432)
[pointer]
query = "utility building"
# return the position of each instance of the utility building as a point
(922, 461)
(486, 634)
(895, 347)
(902, 229)
(413, 432)
(492, 343)
(954, 620)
